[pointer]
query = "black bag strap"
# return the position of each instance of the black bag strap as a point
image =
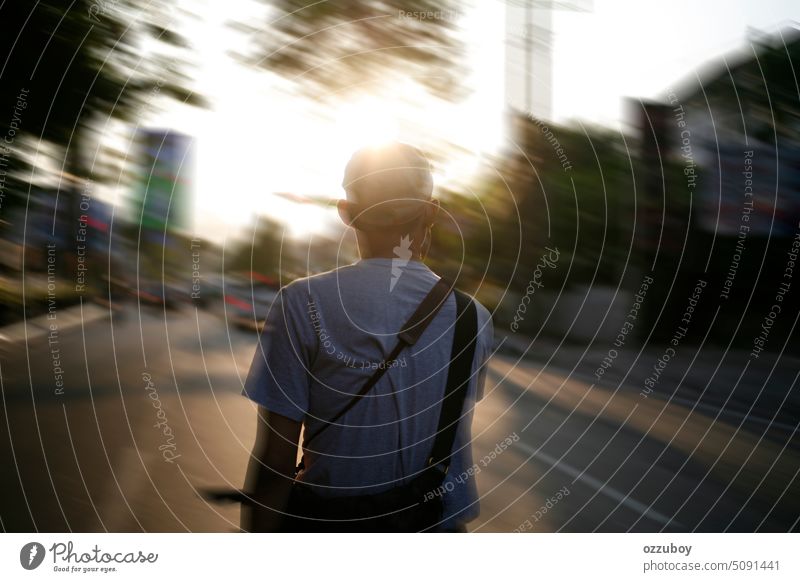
(409, 335)
(458, 377)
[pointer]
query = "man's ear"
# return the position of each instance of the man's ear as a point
(344, 212)
(432, 212)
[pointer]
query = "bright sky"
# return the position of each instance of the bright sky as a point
(257, 140)
(637, 48)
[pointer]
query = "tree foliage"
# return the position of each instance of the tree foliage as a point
(80, 62)
(337, 47)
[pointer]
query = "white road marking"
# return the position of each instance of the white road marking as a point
(601, 487)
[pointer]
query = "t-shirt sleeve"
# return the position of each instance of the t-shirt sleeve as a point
(483, 349)
(279, 376)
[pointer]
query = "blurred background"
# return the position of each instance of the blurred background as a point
(621, 188)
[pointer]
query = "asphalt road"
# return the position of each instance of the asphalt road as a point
(150, 412)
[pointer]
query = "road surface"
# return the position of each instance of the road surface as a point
(150, 412)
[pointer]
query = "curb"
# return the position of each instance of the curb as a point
(65, 320)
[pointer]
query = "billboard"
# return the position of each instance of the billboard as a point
(164, 185)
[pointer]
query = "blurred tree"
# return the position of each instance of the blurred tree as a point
(262, 252)
(575, 190)
(334, 47)
(77, 63)
(528, 199)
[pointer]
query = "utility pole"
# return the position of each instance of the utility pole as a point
(529, 50)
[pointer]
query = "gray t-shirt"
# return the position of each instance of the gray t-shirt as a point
(323, 340)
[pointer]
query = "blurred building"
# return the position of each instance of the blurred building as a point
(721, 153)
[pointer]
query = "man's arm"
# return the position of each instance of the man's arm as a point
(270, 471)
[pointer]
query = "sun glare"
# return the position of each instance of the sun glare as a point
(259, 140)
(366, 122)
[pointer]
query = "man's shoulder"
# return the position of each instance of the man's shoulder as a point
(483, 313)
(304, 285)
(485, 327)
